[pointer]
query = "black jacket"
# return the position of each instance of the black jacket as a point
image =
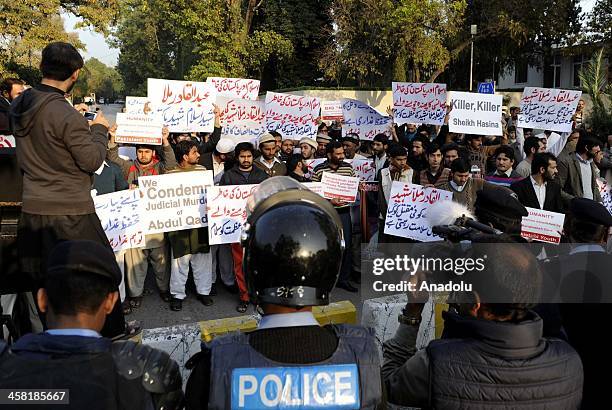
(527, 196)
(233, 176)
(4, 116)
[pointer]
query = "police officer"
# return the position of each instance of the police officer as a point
(585, 285)
(290, 360)
(80, 290)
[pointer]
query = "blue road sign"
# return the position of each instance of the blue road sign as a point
(486, 88)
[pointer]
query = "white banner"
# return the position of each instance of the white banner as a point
(242, 120)
(364, 169)
(340, 187)
(363, 120)
(311, 164)
(120, 214)
(7, 141)
(138, 129)
(241, 88)
(227, 212)
(331, 111)
(293, 116)
(419, 103)
(138, 105)
(605, 191)
(316, 187)
(176, 201)
(542, 226)
(407, 211)
(474, 113)
(183, 106)
(548, 108)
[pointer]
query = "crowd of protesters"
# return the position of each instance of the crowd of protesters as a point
(494, 177)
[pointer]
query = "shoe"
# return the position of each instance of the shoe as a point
(233, 289)
(205, 299)
(165, 296)
(126, 308)
(176, 305)
(136, 302)
(132, 328)
(213, 290)
(242, 307)
(347, 286)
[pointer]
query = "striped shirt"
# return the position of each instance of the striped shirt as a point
(344, 169)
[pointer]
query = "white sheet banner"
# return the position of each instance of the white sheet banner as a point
(340, 187)
(419, 103)
(316, 187)
(548, 108)
(176, 201)
(138, 105)
(331, 111)
(227, 212)
(542, 226)
(605, 190)
(241, 88)
(138, 129)
(363, 120)
(407, 210)
(242, 120)
(184, 106)
(120, 214)
(294, 116)
(474, 113)
(364, 169)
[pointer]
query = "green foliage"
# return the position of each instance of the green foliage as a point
(593, 80)
(96, 77)
(600, 22)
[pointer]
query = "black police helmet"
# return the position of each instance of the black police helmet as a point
(293, 245)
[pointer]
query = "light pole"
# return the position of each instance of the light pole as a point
(473, 31)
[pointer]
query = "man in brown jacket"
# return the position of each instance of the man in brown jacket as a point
(58, 152)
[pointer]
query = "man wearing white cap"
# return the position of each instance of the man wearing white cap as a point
(216, 160)
(268, 162)
(308, 147)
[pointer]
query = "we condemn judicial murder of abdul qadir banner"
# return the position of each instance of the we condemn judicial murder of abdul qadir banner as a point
(172, 204)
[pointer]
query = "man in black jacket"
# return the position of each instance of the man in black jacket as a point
(10, 88)
(492, 352)
(243, 173)
(540, 191)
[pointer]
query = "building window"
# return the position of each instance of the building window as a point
(520, 72)
(577, 64)
(556, 69)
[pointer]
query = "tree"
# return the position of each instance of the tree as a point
(600, 22)
(594, 82)
(27, 26)
(377, 41)
(96, 77)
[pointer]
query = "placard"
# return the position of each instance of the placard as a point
(364, 169)
(542, 226)
(183, 106)
(419, 103)
(227, 212)
(548, 108)
(331, 111)
(241, 88)
(138, 129)
(363, 120)
(293, 116)
(311, 164)
(175, 201)
(605, 190)
(138, 105)
(474, 113)
(242, 120)
(316, 187)
(407, 210)
(7, 141)
(120, 214)
(340, 187)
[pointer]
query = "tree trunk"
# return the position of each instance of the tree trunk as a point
(248, 19)
(453, 55)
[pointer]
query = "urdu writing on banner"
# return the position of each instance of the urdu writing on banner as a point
(242, 120)
(548, 108)
(293, 116)
(241, 88)
(120, 214)
(227, 212)
(137, 105)
(407, 210)
(363, 120)
(419, 103)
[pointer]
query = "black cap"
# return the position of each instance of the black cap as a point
(354, 138)
(590, 211)
(500, 201)
(84, 256)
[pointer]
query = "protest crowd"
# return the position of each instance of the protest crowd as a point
(184, 192)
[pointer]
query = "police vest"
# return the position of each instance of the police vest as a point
(130, 376)
(242, 378)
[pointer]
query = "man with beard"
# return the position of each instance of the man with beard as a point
(578, 172)
(58, 152)
(322, 141)
(243, 173)
(416, 155)
(268, 162)
(379, 146)
(350, 143)
(286, 150)
(435, 174)
(308, 146)
(10, 89)
(540, 190)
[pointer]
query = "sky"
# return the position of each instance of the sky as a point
(98, 48)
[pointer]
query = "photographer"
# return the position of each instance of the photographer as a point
(492, 353)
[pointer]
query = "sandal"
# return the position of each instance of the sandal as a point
(136, 302)
(242, 307)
